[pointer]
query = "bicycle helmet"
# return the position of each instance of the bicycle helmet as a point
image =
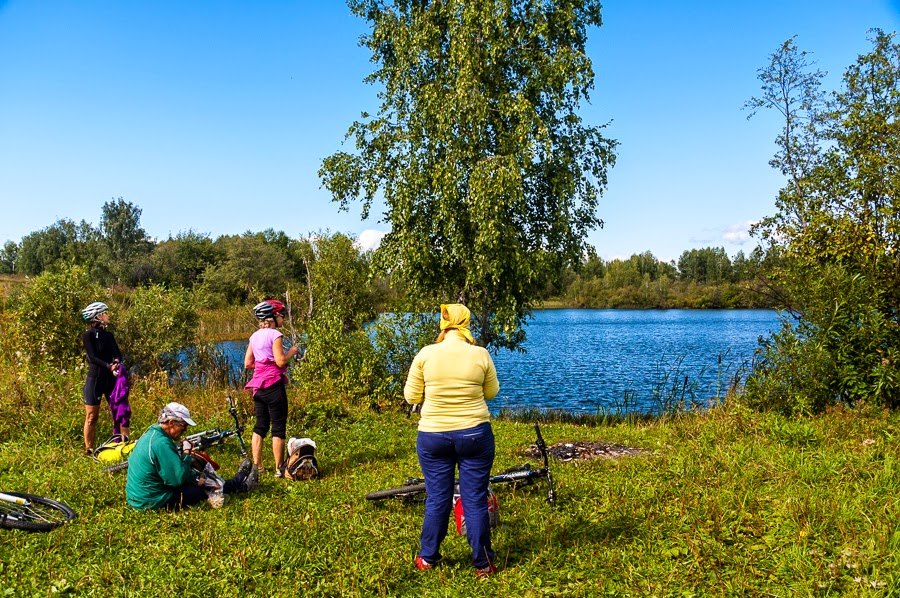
(93, 310)
(268, 309)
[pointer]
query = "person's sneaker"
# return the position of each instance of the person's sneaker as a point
(251, 482)
(279, 472)
(486, 571)
(245, 467)
(423, 564)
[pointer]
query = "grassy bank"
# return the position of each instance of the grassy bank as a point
(723, 504)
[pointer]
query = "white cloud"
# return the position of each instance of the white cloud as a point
(369, 239)
(738, 234)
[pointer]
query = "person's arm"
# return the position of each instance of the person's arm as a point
(282, 359)
(172, 468)
(414, 390)
(249, 361)
(491, 385)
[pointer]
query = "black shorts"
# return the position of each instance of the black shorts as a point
(96, 388)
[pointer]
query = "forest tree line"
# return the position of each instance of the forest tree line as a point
(237, 269)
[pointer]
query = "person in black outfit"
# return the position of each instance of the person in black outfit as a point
(104, 360)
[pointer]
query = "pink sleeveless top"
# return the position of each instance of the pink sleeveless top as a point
(265, 372)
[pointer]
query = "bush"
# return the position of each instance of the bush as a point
(158, 324)
(844, 348)
(47, 324)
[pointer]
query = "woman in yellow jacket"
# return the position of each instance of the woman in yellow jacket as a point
(452, 379)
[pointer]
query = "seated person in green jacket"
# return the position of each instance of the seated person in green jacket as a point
(161, 477)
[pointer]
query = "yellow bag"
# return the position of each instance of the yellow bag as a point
(114, 450)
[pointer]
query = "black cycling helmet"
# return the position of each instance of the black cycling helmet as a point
(268, 309)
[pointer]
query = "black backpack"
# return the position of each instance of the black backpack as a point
(302, 464)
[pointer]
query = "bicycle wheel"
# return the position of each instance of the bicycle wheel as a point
(117, 467)
(36, 514)
(405, 492)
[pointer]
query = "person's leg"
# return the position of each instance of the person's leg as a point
(438, 462)
(91, 413)
(278, 410)
(185, 496)
(261, 428)
(475, 450)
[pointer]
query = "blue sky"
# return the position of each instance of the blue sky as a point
(215, 116)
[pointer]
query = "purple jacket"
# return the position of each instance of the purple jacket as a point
(119, 408)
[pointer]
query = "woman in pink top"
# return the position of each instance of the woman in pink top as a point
(269, 361)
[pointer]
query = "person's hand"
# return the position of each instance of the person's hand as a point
(201, 481)
(293, 351)
(187, 446)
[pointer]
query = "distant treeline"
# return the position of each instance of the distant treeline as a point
(236, 269)
(702, 278)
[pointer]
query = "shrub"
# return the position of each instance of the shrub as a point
(158, 324)
(47, 323)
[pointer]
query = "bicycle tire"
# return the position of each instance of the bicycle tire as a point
(117, 467)
(42, 515)
(401, 492)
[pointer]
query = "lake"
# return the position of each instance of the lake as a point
(593, 360)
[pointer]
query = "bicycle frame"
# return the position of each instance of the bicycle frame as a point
(523, 474)
(207, 438)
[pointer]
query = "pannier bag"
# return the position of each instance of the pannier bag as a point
(301, 463)
(493, 511)
(114, 450)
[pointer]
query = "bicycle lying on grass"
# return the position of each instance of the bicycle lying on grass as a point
(413, 489)
(205, 439)
(32, 513)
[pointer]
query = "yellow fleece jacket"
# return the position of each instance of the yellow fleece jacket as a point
(454, 379)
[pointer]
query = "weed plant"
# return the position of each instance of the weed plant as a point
(725, 503)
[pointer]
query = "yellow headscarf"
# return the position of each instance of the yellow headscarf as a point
(456, 316)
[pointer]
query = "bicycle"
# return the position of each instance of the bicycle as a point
(205, 439)
(413, 489)
(32, 513)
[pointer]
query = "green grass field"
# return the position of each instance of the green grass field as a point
(730, 503)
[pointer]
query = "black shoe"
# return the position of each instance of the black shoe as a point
(245, 467)
(251, 482)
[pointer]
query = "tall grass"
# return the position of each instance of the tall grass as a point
(226, 323)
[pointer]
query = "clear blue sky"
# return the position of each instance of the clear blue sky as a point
(215, 116)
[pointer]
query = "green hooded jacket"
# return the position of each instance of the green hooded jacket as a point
(155, 469)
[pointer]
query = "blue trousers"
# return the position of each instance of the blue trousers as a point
(439, 455)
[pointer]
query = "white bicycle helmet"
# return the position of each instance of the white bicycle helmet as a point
(93, 310)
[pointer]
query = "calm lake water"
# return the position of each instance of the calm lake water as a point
(590, 360)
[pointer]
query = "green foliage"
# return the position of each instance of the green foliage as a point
(183, 260)
(61, 243)
(126, 243)
(708, 265)
(645, 282)
(249, 268)
(490, 177)
(8, 256)
(158, 324)
(843, 349)
(341, 357)
(47, 322)
(837, 231)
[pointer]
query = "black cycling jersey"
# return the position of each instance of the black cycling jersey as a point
(102, 350)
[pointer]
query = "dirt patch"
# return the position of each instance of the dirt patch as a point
(581, 451)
